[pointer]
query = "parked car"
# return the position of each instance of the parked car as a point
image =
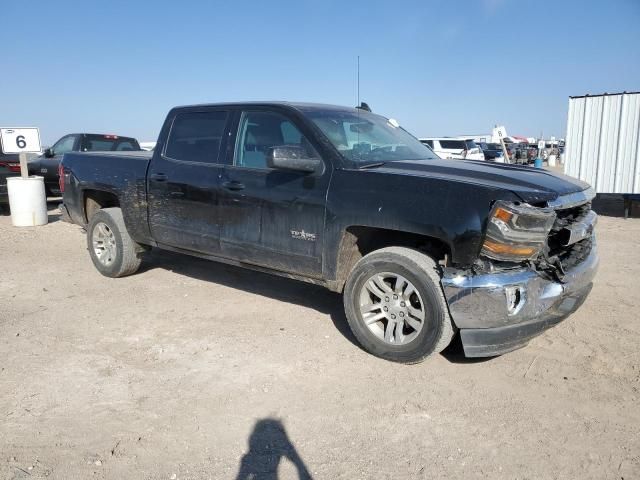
(47, 164)
(9, 167)
(491, 151)
(419, 247)
(457, 148)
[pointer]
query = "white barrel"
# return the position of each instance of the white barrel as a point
(552, 160)
(27, 201)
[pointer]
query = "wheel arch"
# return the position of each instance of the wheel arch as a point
(94, 200)
(356, 241)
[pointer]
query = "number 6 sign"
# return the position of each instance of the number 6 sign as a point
(20, 140)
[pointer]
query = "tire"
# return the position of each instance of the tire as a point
(408, 342)
(107, 233)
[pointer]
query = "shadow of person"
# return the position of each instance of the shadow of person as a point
(268, 444)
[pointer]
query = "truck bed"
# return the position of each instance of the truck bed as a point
(122, 174)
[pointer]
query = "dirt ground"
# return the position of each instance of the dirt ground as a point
(195, 370)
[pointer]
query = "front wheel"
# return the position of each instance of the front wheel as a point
(395, 307)
(112, 250)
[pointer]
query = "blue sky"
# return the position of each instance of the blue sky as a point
(439, 67)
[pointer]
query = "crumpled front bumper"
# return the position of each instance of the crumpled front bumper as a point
(500, 312)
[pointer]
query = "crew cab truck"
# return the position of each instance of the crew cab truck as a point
(420, 247)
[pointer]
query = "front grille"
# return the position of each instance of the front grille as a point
(568, 255)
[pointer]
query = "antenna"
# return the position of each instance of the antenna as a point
(358, 95)
(358, 84)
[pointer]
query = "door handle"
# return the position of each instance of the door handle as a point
(158, 177)
(233, 185)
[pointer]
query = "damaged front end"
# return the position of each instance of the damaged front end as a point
(536, 268)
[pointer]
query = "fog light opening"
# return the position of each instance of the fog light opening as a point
(515, 299)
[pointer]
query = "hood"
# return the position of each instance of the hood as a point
(530, 184)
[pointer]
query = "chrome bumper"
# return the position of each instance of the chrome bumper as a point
(499, 312)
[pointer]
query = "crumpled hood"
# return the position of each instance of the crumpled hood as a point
(530, 184)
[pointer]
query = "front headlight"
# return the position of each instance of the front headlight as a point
(517, 232)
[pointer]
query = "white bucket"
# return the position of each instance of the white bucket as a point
(552, 160)
(27, 201)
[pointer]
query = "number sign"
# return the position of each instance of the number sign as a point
(20, 140)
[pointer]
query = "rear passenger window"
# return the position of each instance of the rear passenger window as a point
(196, 136)
(428, 142)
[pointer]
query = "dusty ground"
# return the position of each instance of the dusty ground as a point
(191, 369)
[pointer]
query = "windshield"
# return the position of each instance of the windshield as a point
(365, 137)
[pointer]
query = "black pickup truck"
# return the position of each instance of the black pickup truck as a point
(47, 164)
(420, 247)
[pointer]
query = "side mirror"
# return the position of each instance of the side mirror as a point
(292, 157)
(48, 153)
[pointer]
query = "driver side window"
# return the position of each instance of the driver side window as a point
(260, 131)
(64, 145)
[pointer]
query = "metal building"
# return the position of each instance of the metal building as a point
(603, 141)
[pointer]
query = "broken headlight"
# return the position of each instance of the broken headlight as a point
(516, 232)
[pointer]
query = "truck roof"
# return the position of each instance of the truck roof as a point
(302, 106)
(113, 135)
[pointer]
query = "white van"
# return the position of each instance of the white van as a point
(451, 147)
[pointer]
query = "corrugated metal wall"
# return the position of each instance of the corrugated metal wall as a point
(603, 142)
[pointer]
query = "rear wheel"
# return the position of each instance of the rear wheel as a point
(395, 306)
(112, 250)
